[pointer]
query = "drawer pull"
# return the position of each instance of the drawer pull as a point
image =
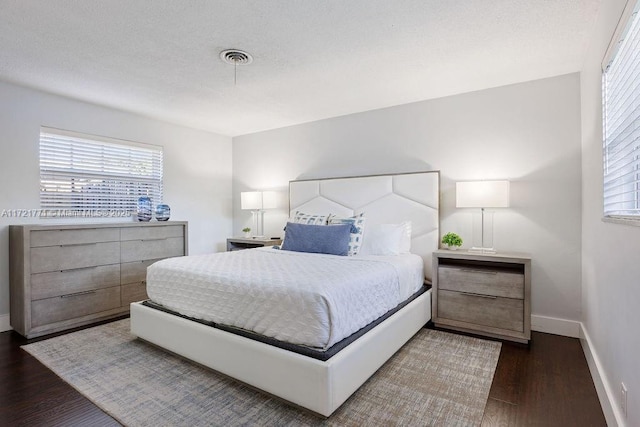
(79, 268)
(153, 240)
(479, 295)
(78, 244)
(77, 294)
(471, 270)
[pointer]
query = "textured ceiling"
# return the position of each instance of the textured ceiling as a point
(313, 59)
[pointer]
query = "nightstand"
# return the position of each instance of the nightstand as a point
(239, 243)
(484, 294)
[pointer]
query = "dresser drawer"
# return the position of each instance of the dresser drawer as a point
(134, 292)
(141, 250)
(56, 283)
(154, 232)
(52, 258)
(132, 272)
(57, 309)
(73, 237)
(496, 312)
(481, 280)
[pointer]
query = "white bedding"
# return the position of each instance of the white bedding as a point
(306, 299)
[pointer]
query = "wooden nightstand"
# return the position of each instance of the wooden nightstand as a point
(239, 243)
(484, 294)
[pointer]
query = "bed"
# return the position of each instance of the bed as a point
(318, 383)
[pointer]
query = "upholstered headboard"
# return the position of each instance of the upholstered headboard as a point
(384, 199)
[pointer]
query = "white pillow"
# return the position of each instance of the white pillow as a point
(387, 239)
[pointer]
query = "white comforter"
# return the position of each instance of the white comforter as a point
(307, 299)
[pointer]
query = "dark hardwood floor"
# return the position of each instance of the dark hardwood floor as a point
(544, 384)
(547, 383)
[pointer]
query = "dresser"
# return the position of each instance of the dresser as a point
(484, 294)
(63, 276)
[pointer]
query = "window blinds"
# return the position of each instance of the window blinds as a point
(82, 175)
(621, 124)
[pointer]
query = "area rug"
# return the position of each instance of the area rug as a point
(437, 378)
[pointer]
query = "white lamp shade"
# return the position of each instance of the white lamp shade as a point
(482, 194)
(269, 200)
(251, 200)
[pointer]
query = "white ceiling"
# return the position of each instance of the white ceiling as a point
(313, 59)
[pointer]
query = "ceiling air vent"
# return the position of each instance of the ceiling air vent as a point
(236, 57)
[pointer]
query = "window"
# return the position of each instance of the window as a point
(83, 175)
(621, 120)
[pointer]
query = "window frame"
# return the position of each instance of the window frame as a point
(628, 20)
(90, 176)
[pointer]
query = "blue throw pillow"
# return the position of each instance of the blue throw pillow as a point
(318, 239)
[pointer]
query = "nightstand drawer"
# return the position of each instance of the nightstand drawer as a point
(496, 312)
(481, 280)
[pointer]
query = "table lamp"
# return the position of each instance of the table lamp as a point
(483, 194)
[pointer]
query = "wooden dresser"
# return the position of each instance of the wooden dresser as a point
(484, 294)
(63, 276)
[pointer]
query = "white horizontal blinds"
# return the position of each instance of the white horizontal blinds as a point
(621, 124)
(80, 173)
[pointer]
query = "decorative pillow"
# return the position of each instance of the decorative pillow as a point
(387, 239)
(303, 218)
(319, 239)
(357, 230)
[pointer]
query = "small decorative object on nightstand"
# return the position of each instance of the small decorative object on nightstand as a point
(484, 294)
(239, 243)
(452, 240)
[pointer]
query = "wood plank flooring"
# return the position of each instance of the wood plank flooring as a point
(545, 384)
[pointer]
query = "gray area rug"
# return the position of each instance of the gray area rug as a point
(437, 378)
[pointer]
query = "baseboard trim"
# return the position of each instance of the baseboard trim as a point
(553, 325)
(5, 324)
(612, 412)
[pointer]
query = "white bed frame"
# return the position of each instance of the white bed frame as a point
(320, 386)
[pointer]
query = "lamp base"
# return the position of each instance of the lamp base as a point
(482, 250)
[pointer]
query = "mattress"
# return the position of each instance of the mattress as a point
(312, 300)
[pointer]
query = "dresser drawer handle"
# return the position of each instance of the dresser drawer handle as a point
(93, 267)
(154, 240)
(479, 295)
(471, 270)
(77, 294)
(78, 244)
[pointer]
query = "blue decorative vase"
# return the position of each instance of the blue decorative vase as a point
(144, 209)
(163, 212)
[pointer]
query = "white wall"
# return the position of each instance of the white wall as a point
(528, 133)
(610, 252)
(197, 166)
